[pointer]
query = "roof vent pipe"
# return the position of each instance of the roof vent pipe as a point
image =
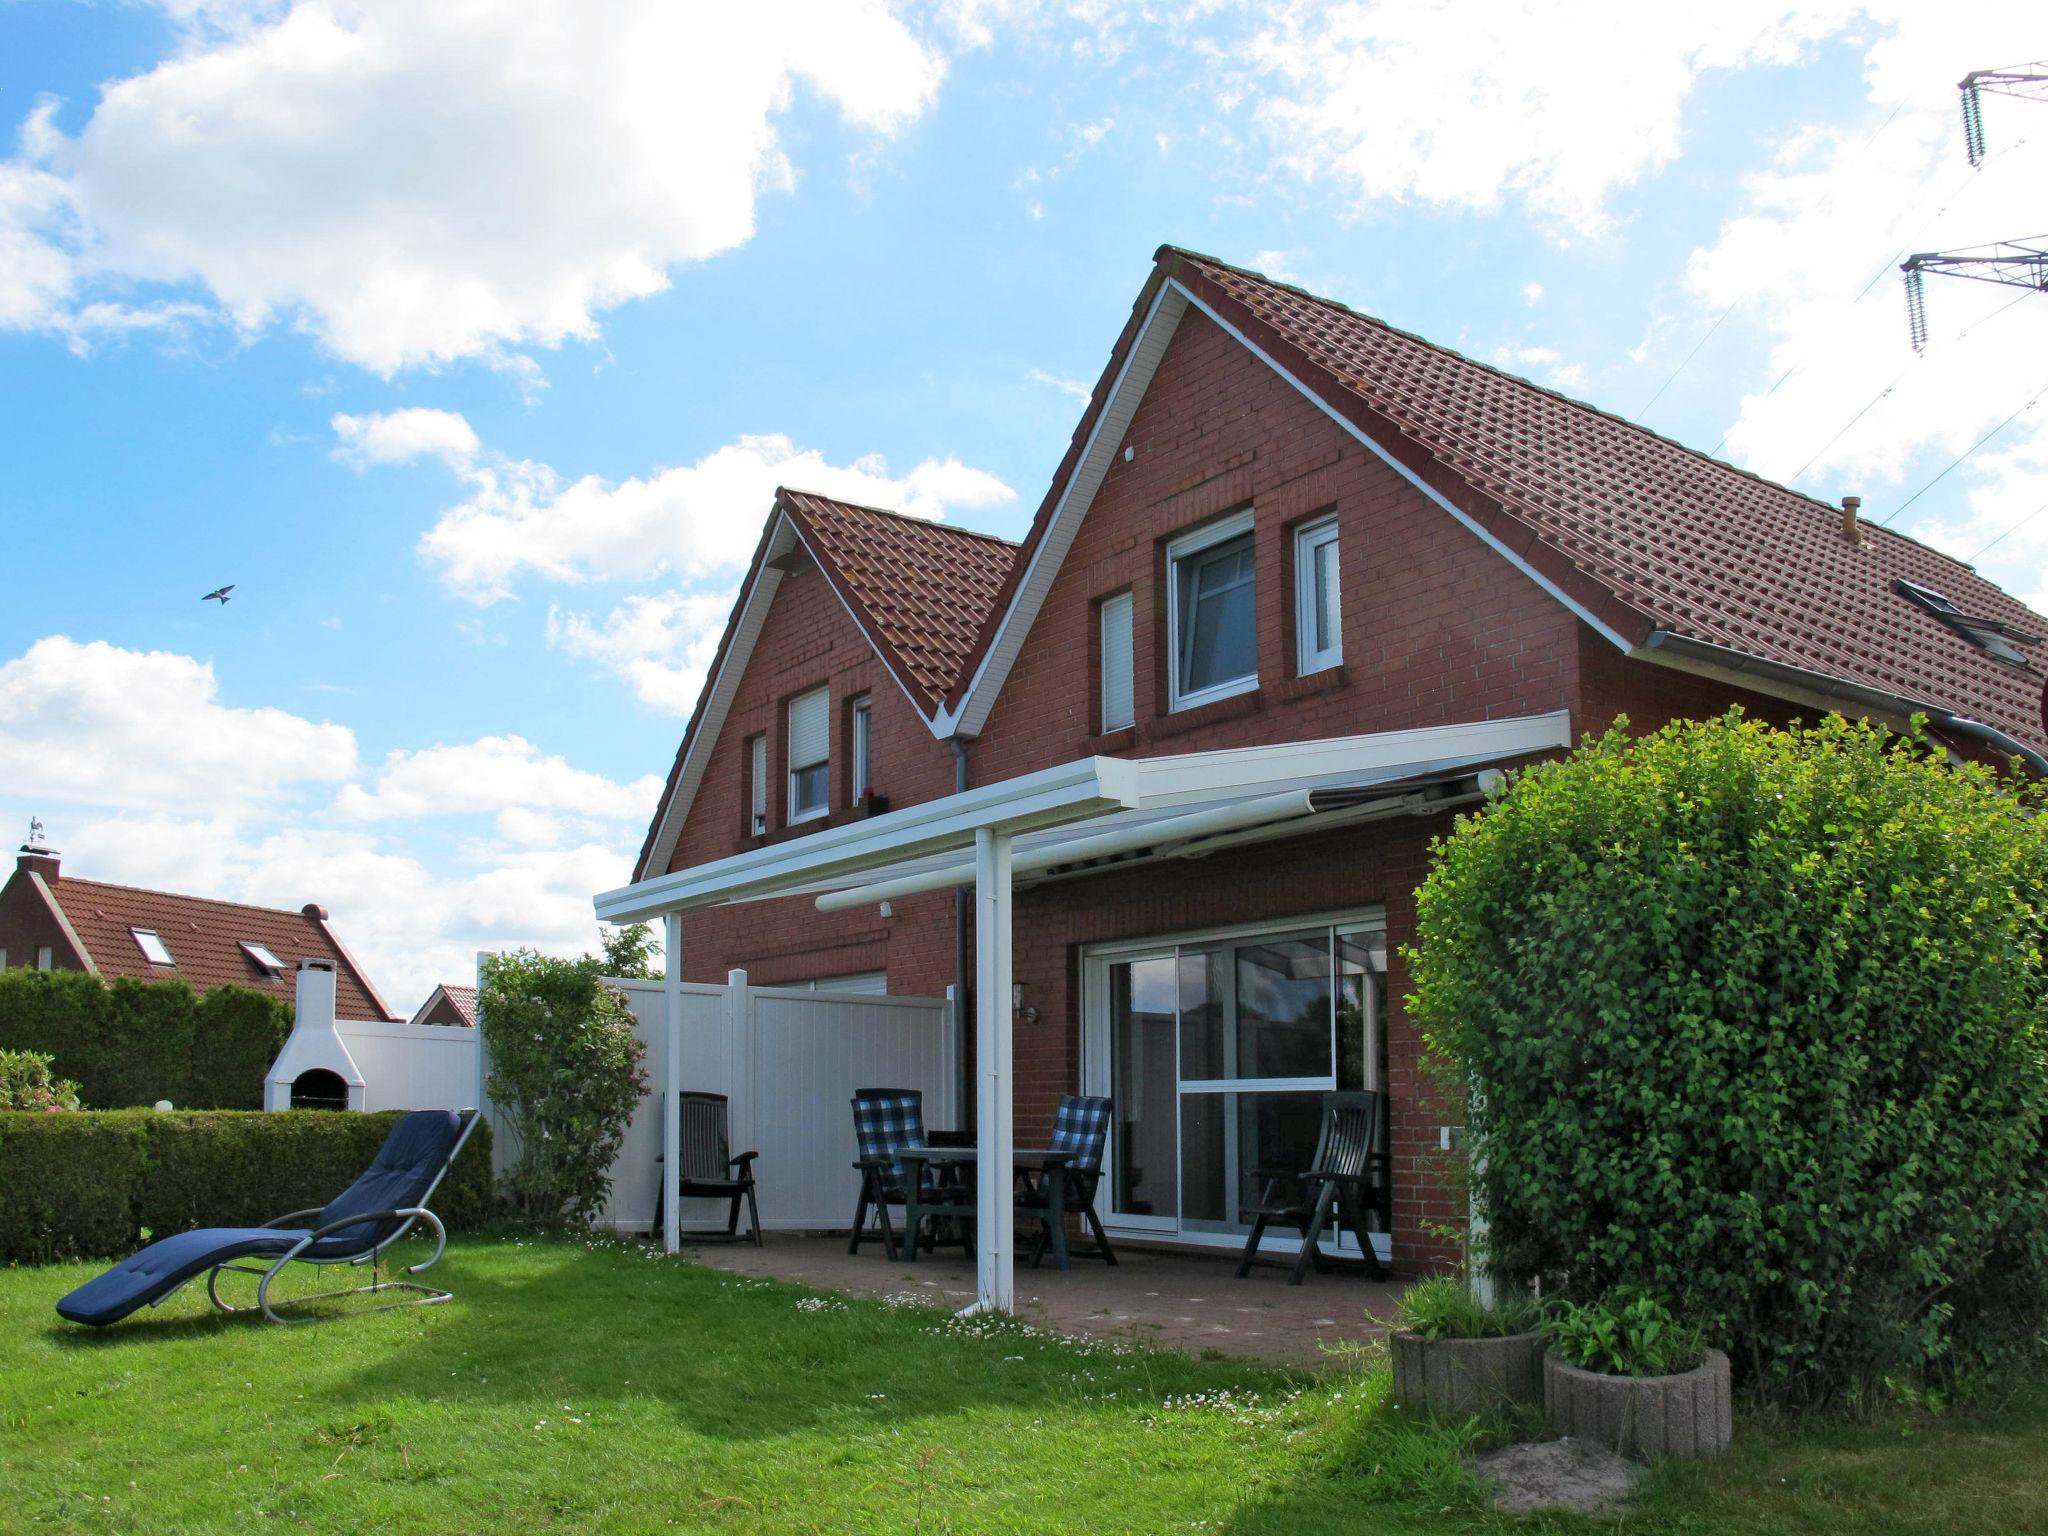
(1851, 529)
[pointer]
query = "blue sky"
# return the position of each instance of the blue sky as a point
(468, 349)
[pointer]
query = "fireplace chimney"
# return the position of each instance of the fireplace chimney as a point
(1852, 530)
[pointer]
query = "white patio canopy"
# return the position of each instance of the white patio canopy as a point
(1062, 821)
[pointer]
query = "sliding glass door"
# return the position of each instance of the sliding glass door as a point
(1216, 1049)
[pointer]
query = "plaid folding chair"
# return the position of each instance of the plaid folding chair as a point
(1081, 1127)
(885, 1120)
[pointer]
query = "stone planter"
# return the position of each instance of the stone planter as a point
(1466, 1376)
(1642, 1416)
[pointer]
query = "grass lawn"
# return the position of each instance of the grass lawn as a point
(600, 1387)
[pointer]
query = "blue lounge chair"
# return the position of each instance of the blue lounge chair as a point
(355, 1228)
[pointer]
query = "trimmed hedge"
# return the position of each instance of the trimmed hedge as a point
(132, 1043)
(1757, 1021)
(91, 1184)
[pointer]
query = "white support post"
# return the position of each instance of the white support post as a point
(672, 1082)
(995, 1210)
(739, 1060)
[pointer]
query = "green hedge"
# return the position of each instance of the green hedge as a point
(89, 1184)
(132, 1043)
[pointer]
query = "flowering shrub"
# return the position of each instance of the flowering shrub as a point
(26, 1082)
(1757, 1020)
(565, 1075)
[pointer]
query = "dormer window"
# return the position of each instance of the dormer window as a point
(261, 957)
(1995, 637)
(152, 946)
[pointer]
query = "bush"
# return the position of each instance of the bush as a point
(564, 1072)
(1753, 1019)
(26, 1083)
(88, 1185)
(132, 1043)
(1625, 1335)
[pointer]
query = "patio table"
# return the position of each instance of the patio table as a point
(1050, 1167)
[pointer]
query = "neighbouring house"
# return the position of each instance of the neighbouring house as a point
(54, 921)
(1158, 784)
(448, 1004)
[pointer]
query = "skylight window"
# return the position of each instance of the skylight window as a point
(152, 946)
(1994, 637)
(263, 958)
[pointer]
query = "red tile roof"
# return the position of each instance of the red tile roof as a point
(1646, 533)
(461, 1002)
(919, 588)
(205, 938)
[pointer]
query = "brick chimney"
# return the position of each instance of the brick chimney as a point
(36, 860)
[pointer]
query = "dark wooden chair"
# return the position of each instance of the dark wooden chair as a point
(709, 1170)
(1337, 1186)
(1080, 1127)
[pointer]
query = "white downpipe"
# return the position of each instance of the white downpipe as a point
(672, 1082)
(995, 1222)
(1223, 818)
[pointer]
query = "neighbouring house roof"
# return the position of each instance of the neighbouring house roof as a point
(460, 1000)
(206, 939)
(916, 589)
(919, 588)
(1644, 537)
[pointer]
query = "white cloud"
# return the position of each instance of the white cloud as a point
(1078, 388)
(694, 520)
(398, 437)
(1550, 105)
(1842, 404)
(1545, 363)
(1278, 265)
(661, 643)
(492, 773)
(146, 729)
(1532, 294)
(414, 184)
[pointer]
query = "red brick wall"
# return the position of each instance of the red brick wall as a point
(25, 923)
(808, 639)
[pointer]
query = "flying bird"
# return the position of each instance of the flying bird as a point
(219, 595)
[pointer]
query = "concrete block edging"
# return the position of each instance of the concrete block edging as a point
(1463, 1377)
(1688, 1415)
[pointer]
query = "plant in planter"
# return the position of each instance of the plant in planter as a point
(1454, 1356)
(1625, 1373)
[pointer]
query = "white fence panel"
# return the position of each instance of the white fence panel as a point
(635, 1172)
(412, 1066)
(806, 1054)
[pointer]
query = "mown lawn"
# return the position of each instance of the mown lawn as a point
(599, 1387)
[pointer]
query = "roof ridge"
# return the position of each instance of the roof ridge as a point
(63, 881)
(901, 517)
(1556, 394)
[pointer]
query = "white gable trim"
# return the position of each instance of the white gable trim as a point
(1132, 380)
(56, 909)
(1172, 303)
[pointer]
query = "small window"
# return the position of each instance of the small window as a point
(1318, 622)
(1212, 613)
(863, 717)
(152, 946)
(1119, 696)
(44, 957)
(1995, 637)
(810, 753)
(757, 784)
(261, 957)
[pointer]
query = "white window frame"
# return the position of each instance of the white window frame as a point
(862, 730)
(1117, 619)
(823, 807)
(757, 788)
(262, 957)
(1187, 546)
(144, 937)
(1308, 542)
(46, 958)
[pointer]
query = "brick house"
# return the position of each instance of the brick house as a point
(1300, 584)
(53, 921)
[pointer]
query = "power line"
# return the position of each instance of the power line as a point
(1885, 521)
(2015, 528)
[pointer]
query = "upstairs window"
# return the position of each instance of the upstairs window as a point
(1318, 622)
(810, 753)
(261, 957)
(1995, 637)
(152, 946)
(1119, 696)
(861, 717)
(1212, 612)
(757, 784)
(45, 957)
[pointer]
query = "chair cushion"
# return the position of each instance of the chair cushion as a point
(162, 1267)
(406, 1166)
